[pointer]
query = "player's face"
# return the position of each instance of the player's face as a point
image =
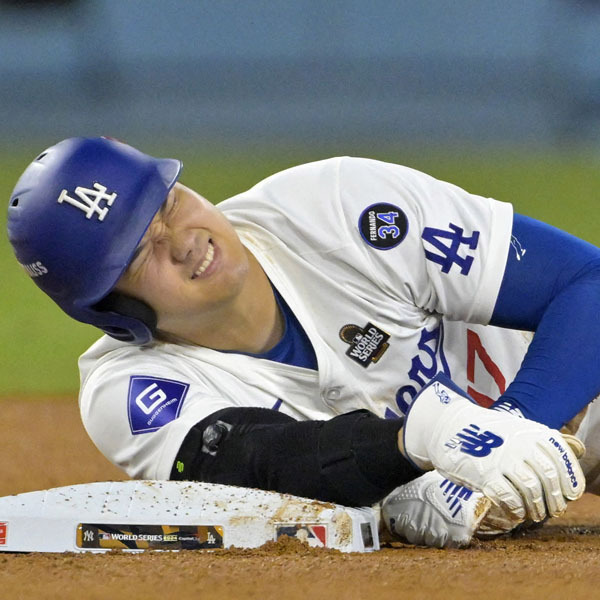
(189, 262)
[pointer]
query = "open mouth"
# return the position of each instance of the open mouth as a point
(210, 254)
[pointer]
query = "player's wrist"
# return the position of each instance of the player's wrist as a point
(438, 401)
(400, 439)
(508, 405)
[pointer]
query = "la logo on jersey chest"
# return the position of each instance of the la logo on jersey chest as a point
(367, 344)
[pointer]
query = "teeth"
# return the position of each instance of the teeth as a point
(210, 254)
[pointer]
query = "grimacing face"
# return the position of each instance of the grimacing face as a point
(190, 262)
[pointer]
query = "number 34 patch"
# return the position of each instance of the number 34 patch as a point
(383, 225)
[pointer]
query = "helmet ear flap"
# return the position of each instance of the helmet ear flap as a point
(126, 306)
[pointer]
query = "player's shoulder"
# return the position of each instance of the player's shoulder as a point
(317, 172)
(109, 363)
(320, 182)
(305, 203)
(345, 165)
(287, 199)
(349, 173)
(108, 350)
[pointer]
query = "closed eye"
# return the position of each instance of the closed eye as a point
(136, 263)
(136, 253)
(166, 211)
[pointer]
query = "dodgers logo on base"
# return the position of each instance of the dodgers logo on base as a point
(153, 402)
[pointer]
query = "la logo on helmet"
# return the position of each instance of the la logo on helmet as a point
(89, 200)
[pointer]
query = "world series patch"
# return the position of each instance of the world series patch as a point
(367, 344)
(383, 226)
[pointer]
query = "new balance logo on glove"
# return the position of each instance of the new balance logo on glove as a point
(474, 442)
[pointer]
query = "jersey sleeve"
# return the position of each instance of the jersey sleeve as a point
(551, 285)
(429, 242)
(138, 413)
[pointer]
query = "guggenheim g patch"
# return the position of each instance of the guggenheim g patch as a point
(153, 402)
(383, 226)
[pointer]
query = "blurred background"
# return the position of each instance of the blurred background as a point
(501, 98)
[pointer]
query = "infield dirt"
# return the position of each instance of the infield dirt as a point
(43, 445)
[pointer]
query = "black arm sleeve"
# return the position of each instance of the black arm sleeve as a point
(352, 459)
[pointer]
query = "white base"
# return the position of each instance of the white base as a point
(174, 515)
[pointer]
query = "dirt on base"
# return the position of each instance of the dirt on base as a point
(44, 445)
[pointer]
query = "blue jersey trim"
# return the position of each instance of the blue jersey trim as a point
(294, 348)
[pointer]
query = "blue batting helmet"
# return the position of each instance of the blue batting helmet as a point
(75, 218)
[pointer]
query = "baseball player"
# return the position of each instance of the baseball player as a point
(325, 333)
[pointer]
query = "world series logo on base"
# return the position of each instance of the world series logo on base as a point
(150, 537)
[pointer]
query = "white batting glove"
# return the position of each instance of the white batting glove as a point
(433, 511)
(497, 521)
(526, 469)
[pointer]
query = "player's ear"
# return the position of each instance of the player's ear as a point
(127, 306)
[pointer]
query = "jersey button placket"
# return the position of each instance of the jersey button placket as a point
(331, 395)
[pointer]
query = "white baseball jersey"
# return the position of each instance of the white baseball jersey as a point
(390, 272)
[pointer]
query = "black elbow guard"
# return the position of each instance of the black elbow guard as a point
(360, 460)
(352, 459)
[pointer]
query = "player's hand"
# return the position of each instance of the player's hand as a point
(576, 445)
(497, 521)
(433, 511)
(526, 469)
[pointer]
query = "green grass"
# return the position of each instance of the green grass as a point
(40, 344)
